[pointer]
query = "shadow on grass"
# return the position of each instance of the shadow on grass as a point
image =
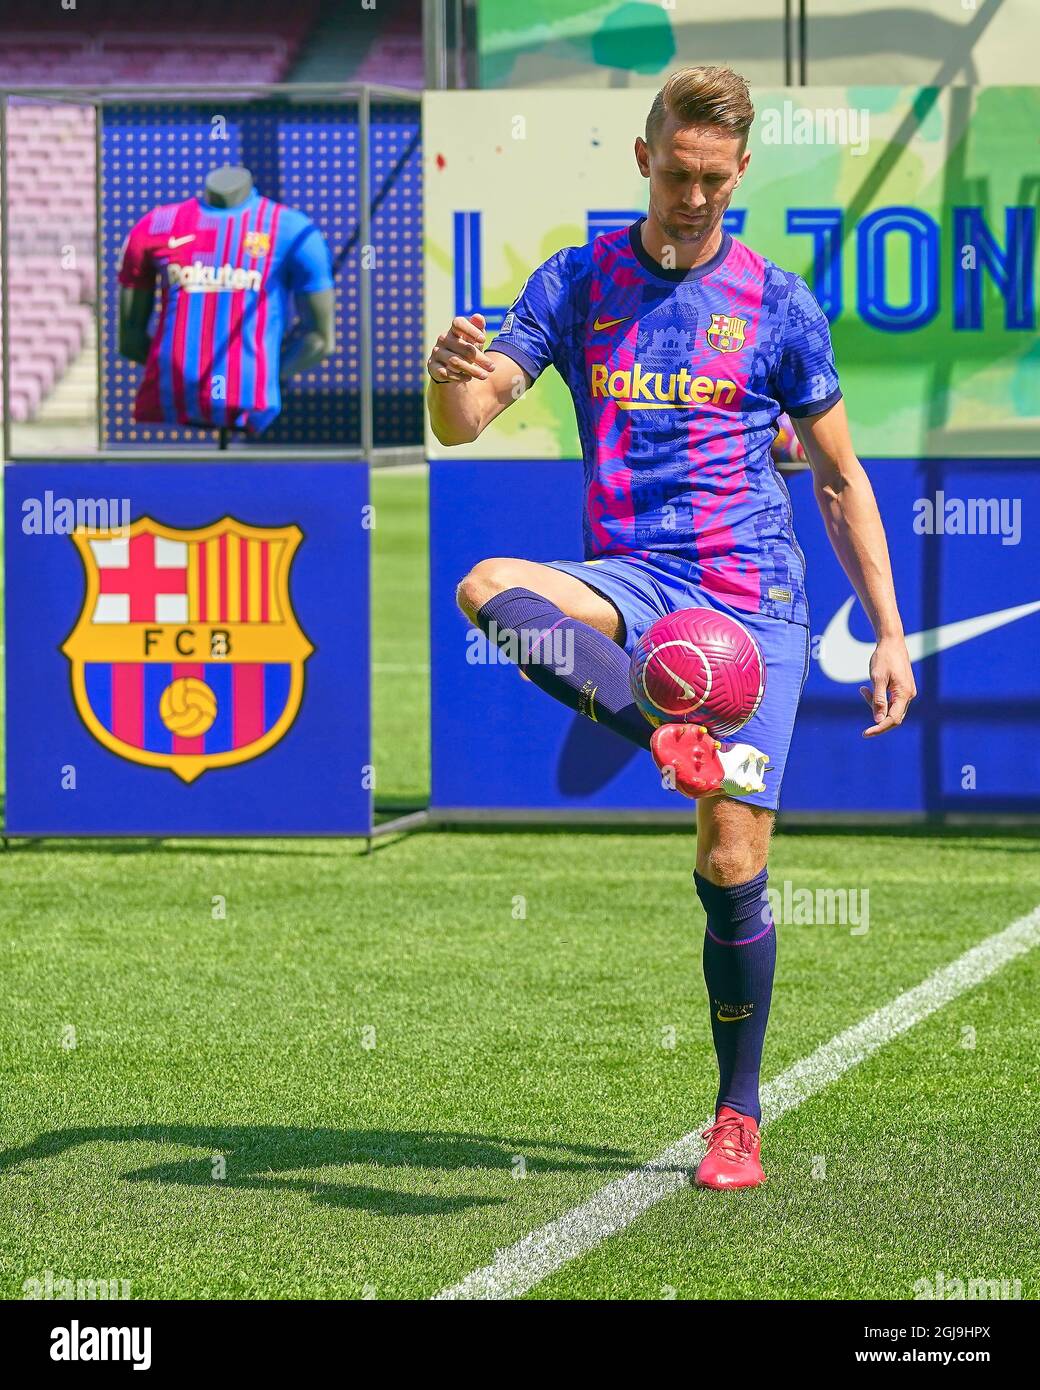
(259, 1156)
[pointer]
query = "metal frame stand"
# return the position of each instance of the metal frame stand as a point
(362, 94)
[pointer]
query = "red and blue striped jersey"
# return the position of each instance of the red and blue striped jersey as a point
(227, 277)
(678, 379)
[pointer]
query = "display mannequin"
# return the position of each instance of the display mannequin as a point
(207, 366)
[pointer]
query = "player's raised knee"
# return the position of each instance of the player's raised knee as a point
(484, 581)
(729, 863)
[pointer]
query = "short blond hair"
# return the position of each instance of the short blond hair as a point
(703, 96)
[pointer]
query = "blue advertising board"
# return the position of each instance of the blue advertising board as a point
(187, 649)
(970, 601)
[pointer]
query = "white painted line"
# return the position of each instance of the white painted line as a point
(520, 1267)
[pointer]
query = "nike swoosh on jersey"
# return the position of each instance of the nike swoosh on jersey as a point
(845, 659)
(176, 241)
(601, 324)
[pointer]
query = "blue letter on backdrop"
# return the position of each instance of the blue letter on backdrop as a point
(923, 304)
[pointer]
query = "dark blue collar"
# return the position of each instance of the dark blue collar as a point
(655, 268)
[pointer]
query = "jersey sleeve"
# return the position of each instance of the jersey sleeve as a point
(805, 379)
(136, 267)
(310, 267)
(530, 332)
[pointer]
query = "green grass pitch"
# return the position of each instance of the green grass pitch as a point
(371, 1073)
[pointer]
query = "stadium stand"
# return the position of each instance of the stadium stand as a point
(123, 42)
(396, 56)
(51, 246)
(351, 44)
(51, 147)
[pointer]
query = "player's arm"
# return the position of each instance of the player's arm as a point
(469, 387)
(853, 522)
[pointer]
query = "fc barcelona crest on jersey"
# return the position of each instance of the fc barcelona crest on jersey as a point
(726, 334)
(187, 654)
(256, 243)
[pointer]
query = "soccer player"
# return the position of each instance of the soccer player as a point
(681, 347)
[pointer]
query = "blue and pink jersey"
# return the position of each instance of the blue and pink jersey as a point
(678, 379)
(227, 277)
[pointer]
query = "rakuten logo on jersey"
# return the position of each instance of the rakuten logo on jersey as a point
(636, 389)
(198, 277)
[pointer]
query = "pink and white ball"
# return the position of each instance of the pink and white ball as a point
(698, 666)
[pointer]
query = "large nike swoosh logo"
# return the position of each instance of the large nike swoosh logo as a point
(845, 659)
(176, 241)
(601, 324)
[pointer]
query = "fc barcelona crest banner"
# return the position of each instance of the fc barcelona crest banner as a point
(187, 649)
(187, 654)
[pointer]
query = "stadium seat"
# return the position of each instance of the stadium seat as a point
(237, 41)
(51, 207)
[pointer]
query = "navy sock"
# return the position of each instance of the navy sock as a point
(571, 661)
(739, 961)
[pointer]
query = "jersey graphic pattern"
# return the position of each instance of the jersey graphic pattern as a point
(227, 278)
(678, 380)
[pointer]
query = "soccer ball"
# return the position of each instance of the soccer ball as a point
(786, 445)
(787, 451)
(698, 666)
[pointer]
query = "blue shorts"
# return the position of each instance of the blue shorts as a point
(643, 591)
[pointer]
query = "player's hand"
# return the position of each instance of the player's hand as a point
(457, 355)
(892, 685)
